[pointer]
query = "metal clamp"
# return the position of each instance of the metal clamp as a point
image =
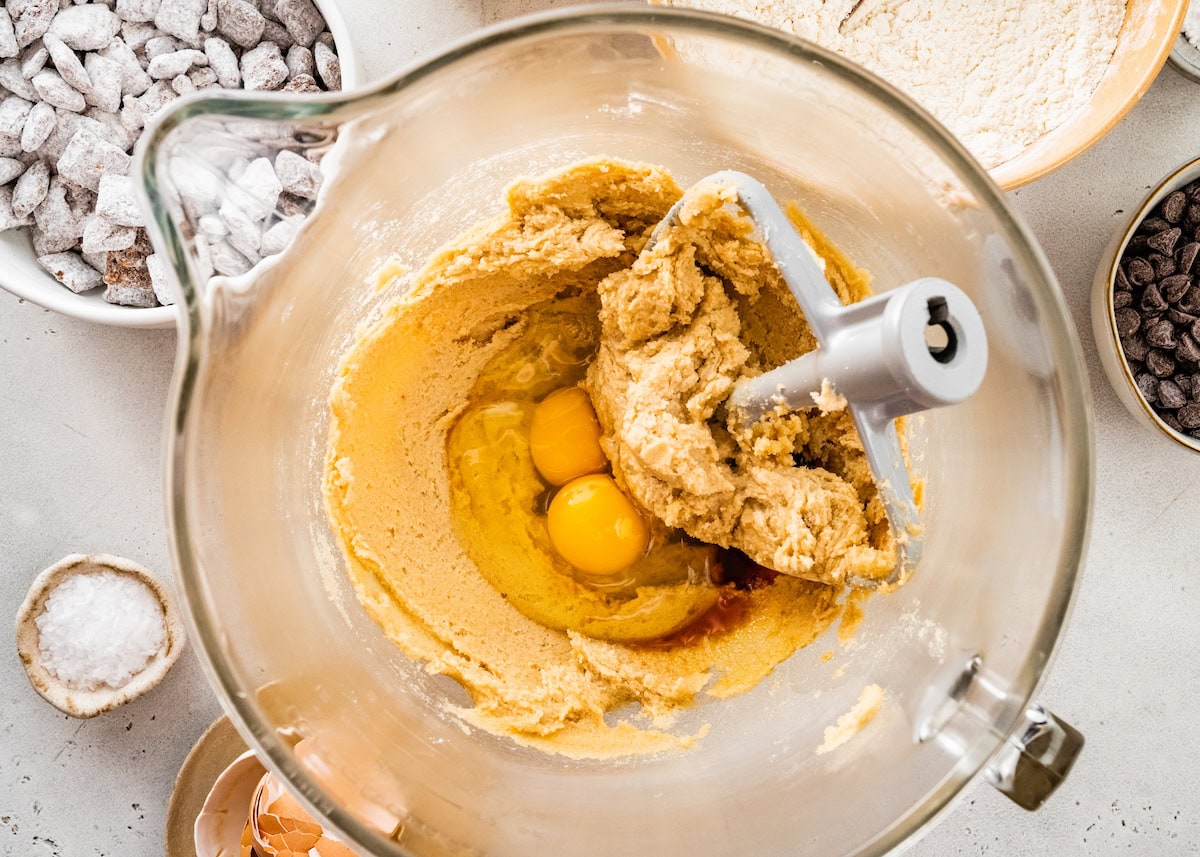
(1036, 755)
(1036, 758)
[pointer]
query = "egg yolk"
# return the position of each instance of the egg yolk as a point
(595, 527)
(564, 438)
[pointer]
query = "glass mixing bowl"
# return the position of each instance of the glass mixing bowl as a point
(959, 651)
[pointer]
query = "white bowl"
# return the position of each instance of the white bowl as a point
(1104, 322)
(21, 274)
(1185, 58)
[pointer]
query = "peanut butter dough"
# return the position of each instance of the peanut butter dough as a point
(677, 328)
(671, 350)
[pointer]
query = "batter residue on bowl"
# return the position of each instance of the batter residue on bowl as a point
(435, 497)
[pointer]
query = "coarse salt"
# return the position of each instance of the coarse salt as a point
(100, 628)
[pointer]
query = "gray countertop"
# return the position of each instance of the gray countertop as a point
(81, 413)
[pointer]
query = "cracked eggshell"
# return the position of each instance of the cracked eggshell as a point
(245, 800)
(281, 827)
(218, 828)
(88, 703)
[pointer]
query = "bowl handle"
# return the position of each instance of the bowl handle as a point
(1037, 748)
(1035, 759)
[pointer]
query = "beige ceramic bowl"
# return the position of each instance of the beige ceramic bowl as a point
(1145, 42)
(1104, 322)
(1149, 33)
(213, 754)
(88, 703)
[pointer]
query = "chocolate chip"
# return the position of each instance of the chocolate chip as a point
(1164, 242)
(1152, 299)
(1156, 308)
(1187, 256)
(1174, 287)
(1139, 271)
(1164, 266)
(1148, 386)
(1173, 206)
(1128, 321)
(1161, 333)
(1135, 347)
(1189, 415)
(1169, 394)
(1190, 302)
(1160, 363)
(1187, 349)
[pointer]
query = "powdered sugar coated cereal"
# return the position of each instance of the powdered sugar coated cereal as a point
(78, 82)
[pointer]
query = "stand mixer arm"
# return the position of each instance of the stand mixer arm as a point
(917, 347)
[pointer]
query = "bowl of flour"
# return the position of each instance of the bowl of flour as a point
(1026, 85)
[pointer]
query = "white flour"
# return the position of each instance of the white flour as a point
(998, 73)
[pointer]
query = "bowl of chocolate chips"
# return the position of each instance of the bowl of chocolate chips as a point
(1146, 310)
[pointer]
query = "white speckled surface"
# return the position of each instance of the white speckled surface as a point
(80, 420)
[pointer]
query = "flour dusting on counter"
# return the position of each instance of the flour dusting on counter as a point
(998, 74)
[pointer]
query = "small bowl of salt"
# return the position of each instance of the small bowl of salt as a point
(95, 632)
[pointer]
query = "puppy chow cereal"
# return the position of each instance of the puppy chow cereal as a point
(78, 83)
